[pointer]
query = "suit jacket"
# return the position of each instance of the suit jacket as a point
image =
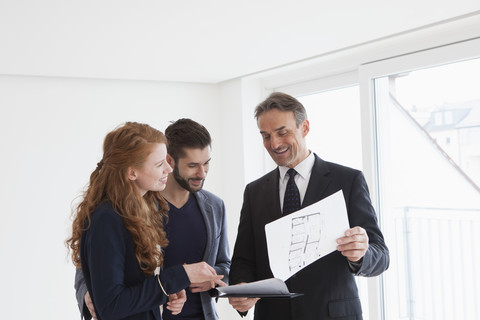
(118, 287)
(328, 284)
(217, 252)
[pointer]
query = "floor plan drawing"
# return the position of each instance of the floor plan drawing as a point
(305, 240)
(300, 238)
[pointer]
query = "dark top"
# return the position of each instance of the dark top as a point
(328, 285)
(118, 287)
(187, 236)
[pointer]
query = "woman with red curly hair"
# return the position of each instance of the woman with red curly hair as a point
(117, 232)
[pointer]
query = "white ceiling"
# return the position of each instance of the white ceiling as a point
(193, 40)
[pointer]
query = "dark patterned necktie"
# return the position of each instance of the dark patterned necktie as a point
(291, 201)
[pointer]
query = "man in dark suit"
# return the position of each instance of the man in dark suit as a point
(328, 284)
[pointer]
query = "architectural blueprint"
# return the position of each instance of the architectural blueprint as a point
(302, 237)
(305, 240)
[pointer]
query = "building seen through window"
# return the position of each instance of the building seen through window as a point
(428, 132)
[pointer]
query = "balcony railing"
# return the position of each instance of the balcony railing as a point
(438, 263)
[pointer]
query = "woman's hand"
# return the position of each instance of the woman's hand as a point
(176, 301)
(89, 303)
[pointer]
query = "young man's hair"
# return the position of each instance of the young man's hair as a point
(186, 133)
(282, 102)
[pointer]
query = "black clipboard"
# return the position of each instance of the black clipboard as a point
(214, 293)
(267, 288)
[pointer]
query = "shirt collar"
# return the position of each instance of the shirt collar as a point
(303, 168)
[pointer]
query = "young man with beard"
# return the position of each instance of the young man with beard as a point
(196, 227)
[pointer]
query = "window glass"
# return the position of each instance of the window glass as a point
(428, 134)
(335, 135)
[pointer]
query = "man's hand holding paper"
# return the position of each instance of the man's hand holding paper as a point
(354, 244)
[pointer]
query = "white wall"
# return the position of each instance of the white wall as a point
(51, 135)
(242, 156)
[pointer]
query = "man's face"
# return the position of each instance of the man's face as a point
(283, 140)
(191, 170)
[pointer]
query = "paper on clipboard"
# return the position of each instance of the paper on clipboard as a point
(268, 288)
(302, 237)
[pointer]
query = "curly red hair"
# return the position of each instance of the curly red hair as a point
(127, 146)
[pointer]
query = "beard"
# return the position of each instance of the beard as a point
(184, 183)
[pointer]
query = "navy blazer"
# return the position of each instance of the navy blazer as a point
(217, 251)
(117, 285)
(328, 285)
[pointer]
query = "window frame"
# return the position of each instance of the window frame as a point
(460, 51)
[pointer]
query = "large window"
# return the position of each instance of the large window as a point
(428, 135)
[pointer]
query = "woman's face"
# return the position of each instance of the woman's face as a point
(152, 176)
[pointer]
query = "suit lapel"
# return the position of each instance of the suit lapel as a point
(319, 180)
(272, 202)
(206, 210)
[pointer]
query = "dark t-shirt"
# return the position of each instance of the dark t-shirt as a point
(187, 236)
